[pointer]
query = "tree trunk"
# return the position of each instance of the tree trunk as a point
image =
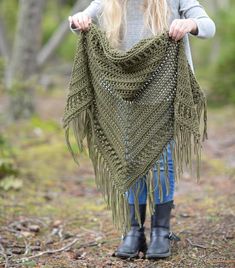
(23, 63)
(58, 36)
(4, 46)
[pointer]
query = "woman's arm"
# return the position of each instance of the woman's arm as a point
(194, 20)
(82, 19)
(93, 9)
(192, 9)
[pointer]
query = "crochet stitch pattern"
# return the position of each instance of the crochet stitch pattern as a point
(128, 105)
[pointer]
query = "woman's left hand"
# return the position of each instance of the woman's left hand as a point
(179, 27)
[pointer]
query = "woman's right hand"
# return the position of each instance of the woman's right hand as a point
(80, 20)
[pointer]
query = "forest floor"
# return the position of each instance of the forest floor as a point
(55, 216)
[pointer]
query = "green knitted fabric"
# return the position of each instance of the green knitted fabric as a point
(128, 105)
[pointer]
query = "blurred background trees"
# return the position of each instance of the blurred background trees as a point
(39, 179)
(34, 35)
(215, 58)
(22, 61)
(37, 50)
(30, 33)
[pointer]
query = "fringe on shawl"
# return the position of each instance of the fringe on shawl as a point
(185, 143)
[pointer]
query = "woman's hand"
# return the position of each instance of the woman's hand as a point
(179, 27)
(80, 20)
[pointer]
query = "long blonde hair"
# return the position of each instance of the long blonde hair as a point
(113, 18)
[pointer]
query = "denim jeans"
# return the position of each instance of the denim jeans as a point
(143, 187)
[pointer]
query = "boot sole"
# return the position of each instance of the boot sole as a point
(158, 255)
(126, 255)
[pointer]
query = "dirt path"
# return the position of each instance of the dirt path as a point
(58, 208)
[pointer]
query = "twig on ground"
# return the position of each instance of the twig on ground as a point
(51, 251)
(91, 231)
(3, 253)
(195, 245)
(10, 230)
(65, 248)
(27, 247)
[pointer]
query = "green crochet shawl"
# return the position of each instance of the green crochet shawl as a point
(127, 106)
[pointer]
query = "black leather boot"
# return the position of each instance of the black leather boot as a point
(134, 241)
(161, 235)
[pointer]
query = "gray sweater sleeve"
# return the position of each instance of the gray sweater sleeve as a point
(194, 10)
(93, 9)
(187, 8)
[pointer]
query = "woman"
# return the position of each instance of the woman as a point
(126, 22)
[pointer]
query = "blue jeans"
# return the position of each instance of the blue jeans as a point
(143, 187)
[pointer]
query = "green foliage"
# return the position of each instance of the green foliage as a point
(49, 25)
(11, 182)
(223, 78)
(8, 13)
(21, 99)
(67, 49)
(5, 148)
(2, 67)
(54, 13)
(8, 170)
(217, 74)
(6, 154)
(45, 125)
(29, 263)
(7, 167)
(53, 16)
